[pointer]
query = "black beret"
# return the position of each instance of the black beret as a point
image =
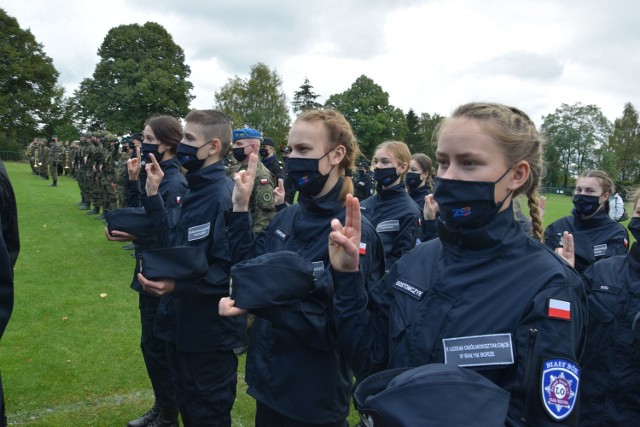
(431, 395)
(271, 279)
(180, 263)
(267, 141)
(130, 220)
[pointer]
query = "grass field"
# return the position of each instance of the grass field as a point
(70, 355)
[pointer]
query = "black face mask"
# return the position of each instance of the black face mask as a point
(264, 153)
(188, 157)
(239, 154)
(467, 204)
(306, 176)
(147, 149)
(413, 180)
(586, 206)
(385, 176)
(634, 228)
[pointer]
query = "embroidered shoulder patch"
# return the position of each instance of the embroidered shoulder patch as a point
(559, 387)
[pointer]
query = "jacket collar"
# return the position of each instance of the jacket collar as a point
(498, 236)
(391, 192)
(601, 217)
(329, 203)
(206, 175)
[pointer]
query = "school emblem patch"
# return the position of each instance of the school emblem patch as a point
(559, 387)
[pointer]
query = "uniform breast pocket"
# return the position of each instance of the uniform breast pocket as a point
(627, 343)
(417, 328)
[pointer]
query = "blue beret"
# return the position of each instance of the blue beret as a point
(429, 396)
(246, 133)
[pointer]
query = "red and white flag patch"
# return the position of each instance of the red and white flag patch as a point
(559, 309)
(363, 248)
(264, 181)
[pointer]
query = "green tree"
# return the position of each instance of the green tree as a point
(305, 98)
(258, 102)
(428, 125)
(625, 143)
(27, 82)
(576, 132)
(414, 134)
(141, 73)
(366, 106)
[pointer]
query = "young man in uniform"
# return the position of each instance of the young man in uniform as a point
(200, 343)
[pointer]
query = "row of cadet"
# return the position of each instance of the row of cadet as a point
(493, 321)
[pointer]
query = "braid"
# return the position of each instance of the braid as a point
(534, 212)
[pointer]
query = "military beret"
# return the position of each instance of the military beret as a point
(137, 137)
(267, 141)
(130, 220)
(180, 263)
(274, 278)
(431, 395)
(246, 133)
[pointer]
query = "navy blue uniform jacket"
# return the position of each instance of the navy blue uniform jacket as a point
(171, 189)
(611, 380)
(295, 365)
(488, 281)
(396, 218)
(9, 247)
(594, 239)
(188, 317)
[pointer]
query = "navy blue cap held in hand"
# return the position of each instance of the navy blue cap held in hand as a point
(271, 279)
(130, 220)
(179, 263)
(429, 396)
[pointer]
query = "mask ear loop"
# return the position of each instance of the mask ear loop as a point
(499, 204)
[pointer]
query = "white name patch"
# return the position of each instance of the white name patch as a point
(198, 232)
(478, 350)
(388, 226)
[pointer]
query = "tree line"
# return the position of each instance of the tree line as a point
(142, 72)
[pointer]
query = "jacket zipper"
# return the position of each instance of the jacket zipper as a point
(533, 335)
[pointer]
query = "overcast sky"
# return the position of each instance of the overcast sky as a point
(428, 55)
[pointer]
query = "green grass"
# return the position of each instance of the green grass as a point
(70, 357)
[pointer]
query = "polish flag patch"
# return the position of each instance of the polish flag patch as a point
(363, 248)
(264, 181)
(559, 309)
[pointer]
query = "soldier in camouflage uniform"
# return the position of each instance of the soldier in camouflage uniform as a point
(95, 156)
(108, 176)
(121, 173)
(43, 160)
(261, 203)
(55, 157)
(31, 155)
(81, 171)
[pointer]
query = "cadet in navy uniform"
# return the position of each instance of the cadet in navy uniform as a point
(365, 185)
(296, 370)
(420, 178)
(595, 235)
(9, 250)
(391, 210)
(200, 343)
(610, 394)
(483, 295)
(269, 159)
(162, 134)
